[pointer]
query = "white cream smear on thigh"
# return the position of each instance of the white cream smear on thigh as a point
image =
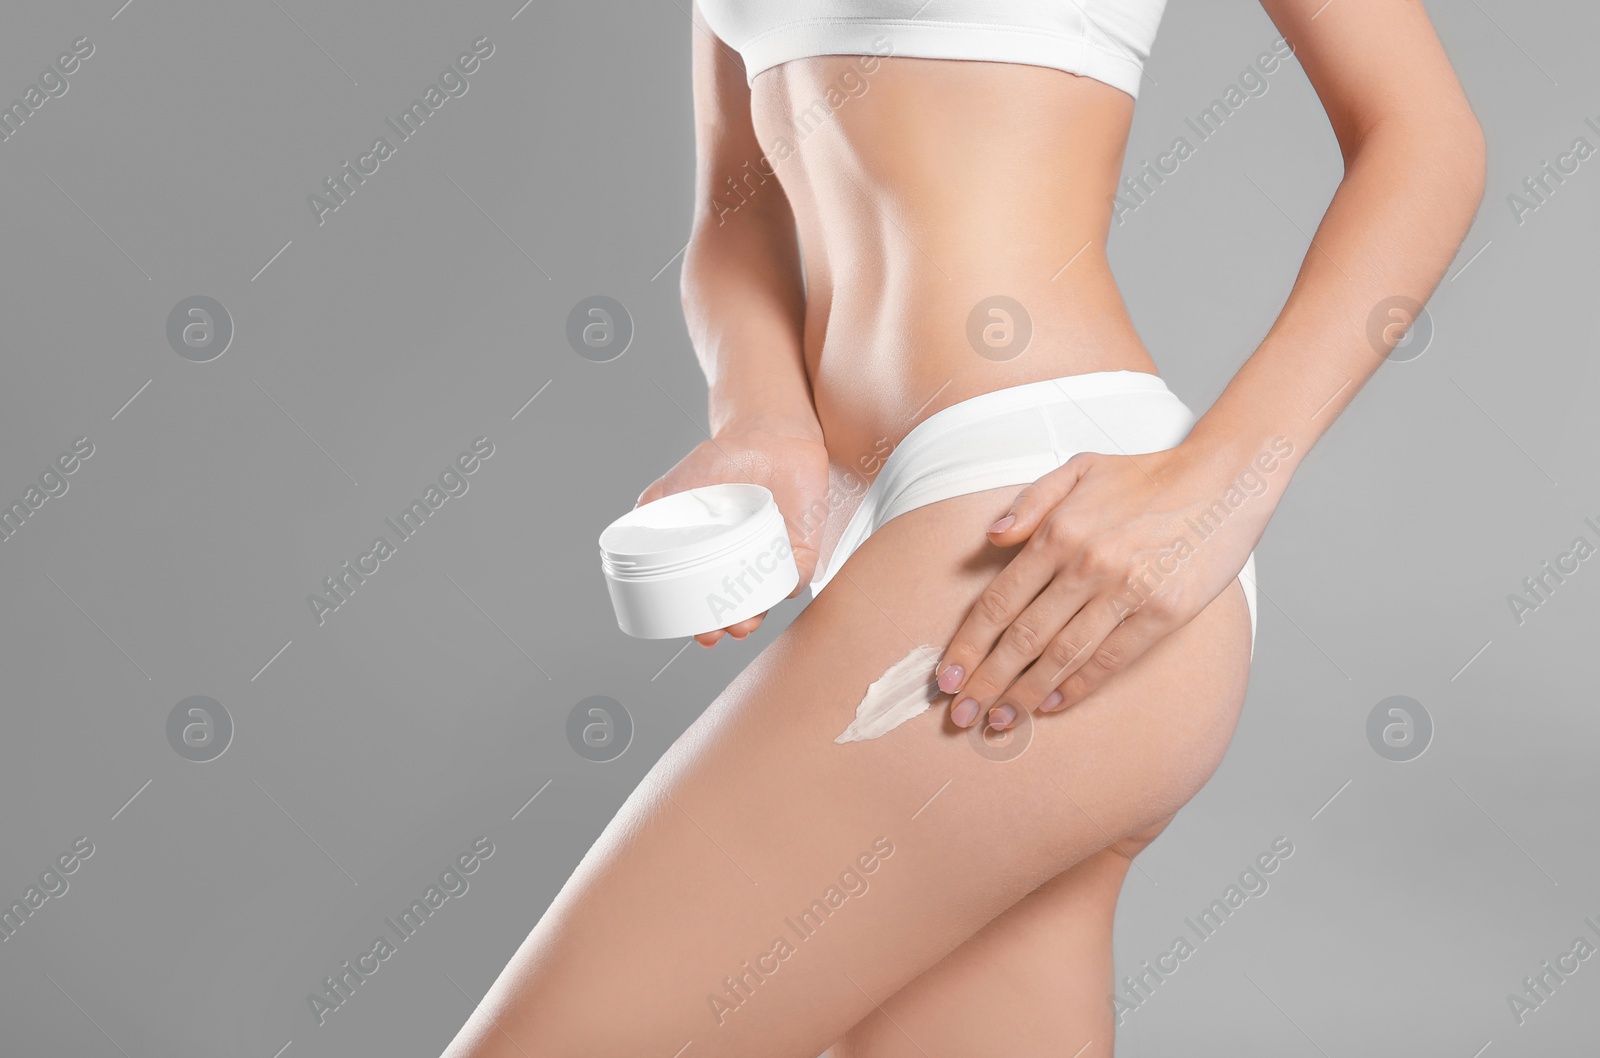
(903, 692)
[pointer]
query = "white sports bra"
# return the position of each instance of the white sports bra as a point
(1108, 40)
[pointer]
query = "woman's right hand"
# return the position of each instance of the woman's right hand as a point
(793, 467)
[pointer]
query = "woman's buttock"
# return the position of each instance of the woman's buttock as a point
(911, 584)
(767, 885)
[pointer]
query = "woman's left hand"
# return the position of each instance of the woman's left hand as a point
(1117, 552)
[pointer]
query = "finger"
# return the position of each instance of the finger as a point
(1080, 639)
(1048, 538)
(656, 490)
(1119, 650)
(709, 639)
(1033, 503)
(744, 628)
(1069, 651)
(1019, 644)
(805, 563)
(1008, 594)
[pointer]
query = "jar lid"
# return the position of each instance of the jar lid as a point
(687, 528)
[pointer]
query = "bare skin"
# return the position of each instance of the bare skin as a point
(754, 812)
(987, 928)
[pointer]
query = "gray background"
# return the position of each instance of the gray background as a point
(432, 706)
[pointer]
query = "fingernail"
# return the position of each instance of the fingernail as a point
(1052, 703)
(1003, 524)
(1000, 717)
(950, 679)
(966, 711)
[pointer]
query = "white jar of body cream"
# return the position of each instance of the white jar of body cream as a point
(697, 561)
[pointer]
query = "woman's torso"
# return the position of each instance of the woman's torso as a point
(924, 191)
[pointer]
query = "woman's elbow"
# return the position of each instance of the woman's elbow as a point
(1447, 147)
(1468, 135)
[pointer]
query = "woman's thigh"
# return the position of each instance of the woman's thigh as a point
(765, 888)
(1036, 981)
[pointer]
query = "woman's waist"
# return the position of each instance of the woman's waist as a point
(876, 376)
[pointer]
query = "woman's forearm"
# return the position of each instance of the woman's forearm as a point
(744, 302)
(1410, 191)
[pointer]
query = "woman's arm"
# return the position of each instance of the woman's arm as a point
(743, 295)
(1063, 609)
(1414, 174)
(744, 302)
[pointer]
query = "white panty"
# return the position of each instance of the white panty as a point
(1017, 435)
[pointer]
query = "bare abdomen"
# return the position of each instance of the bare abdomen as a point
(953, 217)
